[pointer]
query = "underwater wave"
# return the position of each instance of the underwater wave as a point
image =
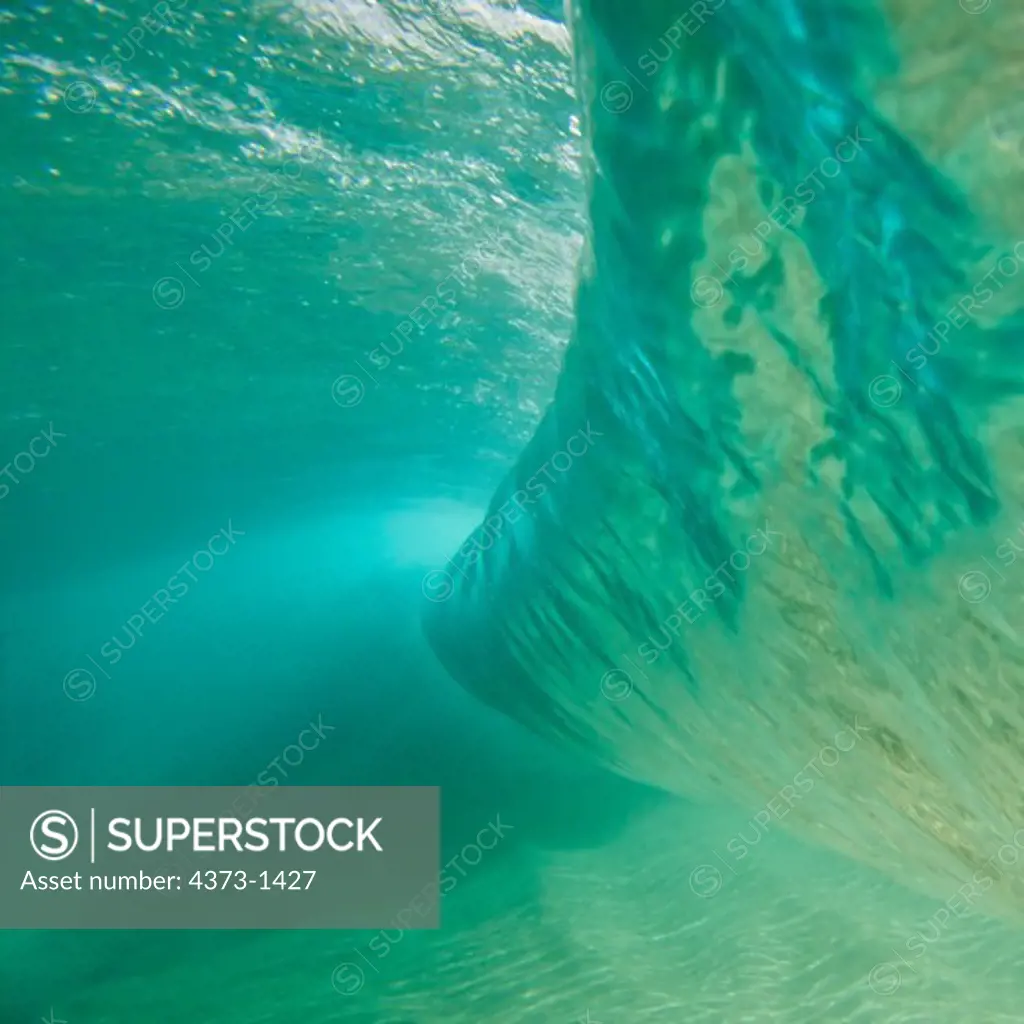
(797, 336)
(309, 268)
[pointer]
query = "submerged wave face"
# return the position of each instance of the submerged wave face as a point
(762, 546)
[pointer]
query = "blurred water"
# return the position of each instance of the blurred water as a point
(218, 223)
(360, 150)
(362, 205)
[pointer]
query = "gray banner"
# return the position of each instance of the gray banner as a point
(216, 857)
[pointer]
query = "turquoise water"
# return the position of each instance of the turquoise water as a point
(619, 430)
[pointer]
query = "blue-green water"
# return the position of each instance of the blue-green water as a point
(675, 393)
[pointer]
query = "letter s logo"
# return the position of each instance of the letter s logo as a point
(52, 825)
(112, 656)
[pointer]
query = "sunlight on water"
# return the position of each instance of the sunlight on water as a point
(607, 414)
(426, 534)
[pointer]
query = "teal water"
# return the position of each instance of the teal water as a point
(522, 413)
